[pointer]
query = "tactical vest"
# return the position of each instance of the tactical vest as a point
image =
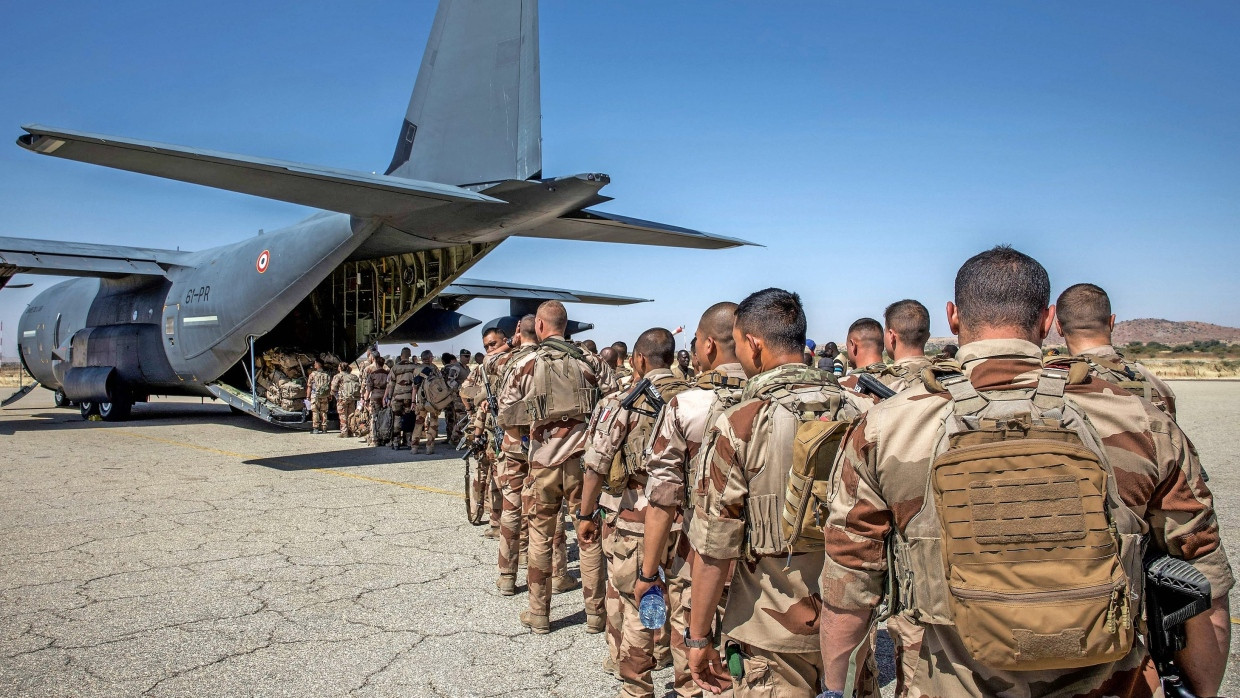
(1022, 541)
(515, 415)
(806, 427)
(560, 388)
(1114, 369)
(350, 387)
(630, 460)
(728, 393)
(402, 374)
(320, 384)
(452, 374)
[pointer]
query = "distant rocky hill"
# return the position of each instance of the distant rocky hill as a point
(1145, 330)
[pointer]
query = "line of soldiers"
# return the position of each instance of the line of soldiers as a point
(782, 511)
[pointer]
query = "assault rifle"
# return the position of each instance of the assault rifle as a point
(1174, 592)
(497, 434)
(867, 383)
(644, 388)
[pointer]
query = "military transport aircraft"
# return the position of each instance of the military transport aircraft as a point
(381, 262)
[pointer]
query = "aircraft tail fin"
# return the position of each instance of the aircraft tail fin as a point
(475, 114)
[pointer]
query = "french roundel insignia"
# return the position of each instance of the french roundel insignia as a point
(263, 259)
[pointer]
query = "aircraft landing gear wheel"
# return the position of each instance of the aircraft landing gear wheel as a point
(59, 398)
(88, 408)
(115, 411)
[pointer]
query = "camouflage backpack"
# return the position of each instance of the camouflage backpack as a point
(1022, 541)
(806, 419)
(630, 459)
(561, 389)
(320, 384)
(432, 389)
(350, 388)
(728, 393)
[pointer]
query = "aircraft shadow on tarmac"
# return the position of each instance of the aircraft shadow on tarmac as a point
(145, 414)
(351, 458)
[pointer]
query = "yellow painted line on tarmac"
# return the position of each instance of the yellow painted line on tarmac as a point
(1235, 620)
(325, 471)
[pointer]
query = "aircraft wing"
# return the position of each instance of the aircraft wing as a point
(58, 258)
(464, 290)
(345, 191)
(596, 226)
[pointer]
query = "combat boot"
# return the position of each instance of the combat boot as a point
(522, 559)
(430, 448)
(595, 624)
(559, 585)
(539, 625)
(610, 667)
(507, 584)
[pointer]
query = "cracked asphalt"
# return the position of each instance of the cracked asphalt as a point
(191, 551)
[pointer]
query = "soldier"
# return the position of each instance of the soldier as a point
(375, 387)
(477, 387)
(905, 336)
(454, 374)
(399, 396)
(831, 360)
(345, 389)
(771, 615)
(949, 351)
(615, 481)
(884, 471)
(479, 357)
(683, 368)
(671, 460)
(864, 345)
(1083, 316)
(554, 389)
(464, 359)
(318, 392)
(620, 375)
(428, 415)
(514, 476)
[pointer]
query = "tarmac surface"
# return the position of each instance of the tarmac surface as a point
(191, 551)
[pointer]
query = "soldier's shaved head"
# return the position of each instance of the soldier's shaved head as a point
(776, 316)
(526, 329)
(406, 353)
(910, 321)
(554, 318)
(657, 346)
(621, 349)
(864, 342)
(1083, 315)
(590, 346)
(610, 357)
(717, 323)
(1001, 289)
(1084, 308)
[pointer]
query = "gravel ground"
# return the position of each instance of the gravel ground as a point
(195, 552)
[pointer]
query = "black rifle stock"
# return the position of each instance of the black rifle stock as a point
(867, 383)
(1174, 592)
(644, 388)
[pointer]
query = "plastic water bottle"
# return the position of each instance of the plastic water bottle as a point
(652, 608)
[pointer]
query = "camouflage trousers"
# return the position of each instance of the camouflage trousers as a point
(375, 407)
(638, 650)
(428, 426)
(399, 407)
(453, 414)
(494, 490)
(906, 640)
(778, 674)
(514, 531)
(345, 410)
(550, 487)
(318, 413)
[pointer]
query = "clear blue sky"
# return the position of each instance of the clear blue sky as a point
(871, 147)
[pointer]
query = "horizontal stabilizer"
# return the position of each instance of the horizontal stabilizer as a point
(596, 226)
(344, 191)
(468, 289)
(59, 258)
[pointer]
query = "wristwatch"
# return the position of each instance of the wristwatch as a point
(644, 578)
(696, 644)
(583, 517)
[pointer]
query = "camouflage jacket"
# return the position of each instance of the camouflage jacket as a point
(400, 380)
(551, 443)
(683, 373)
(486, 374)
(774, 600)
(881, 479)
(340, 379)
(908, 372)
(1160, 393)
(677, 438)
(879, 369)
(319, 384)
(375, 383)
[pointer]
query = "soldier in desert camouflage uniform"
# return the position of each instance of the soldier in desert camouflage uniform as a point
(552, 465)
(617, 443)
(1001, 314)
(474, 393)
(373, 387)
(454, 374)
(1083, 316)
(675, 444)
(428, 415)
(773, 603)
(345, 389)
(864, 345)
(906, 331)
(318, 392)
